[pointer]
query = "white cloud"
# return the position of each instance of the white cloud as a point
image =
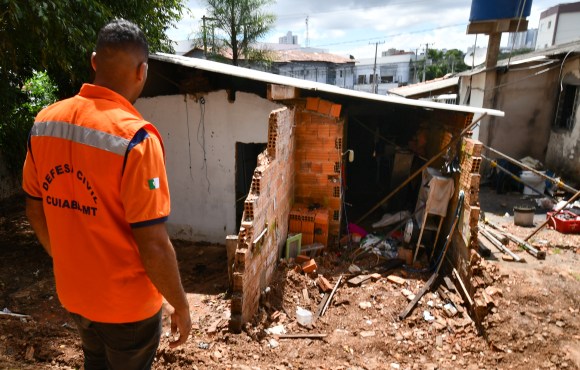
(347, 27)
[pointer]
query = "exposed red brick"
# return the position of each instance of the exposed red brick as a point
(312, 104)
(324, 285)
(309, 266)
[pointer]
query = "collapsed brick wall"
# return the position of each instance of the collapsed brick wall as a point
(318, 160)
(464, 241)
(265, 218)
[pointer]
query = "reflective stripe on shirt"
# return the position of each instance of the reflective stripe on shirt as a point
(82, 135)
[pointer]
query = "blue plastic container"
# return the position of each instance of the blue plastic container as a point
(485, 10)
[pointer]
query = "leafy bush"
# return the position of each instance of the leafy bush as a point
(23, 104)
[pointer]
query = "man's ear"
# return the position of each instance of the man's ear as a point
(142, 71)
(93, 62)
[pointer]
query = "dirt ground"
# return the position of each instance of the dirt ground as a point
(531, 322)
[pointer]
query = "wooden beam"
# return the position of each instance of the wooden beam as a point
(281, 92)
(497, 26)
(418, 296)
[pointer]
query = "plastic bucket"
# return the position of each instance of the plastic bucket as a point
(534, 181)
(524, 216)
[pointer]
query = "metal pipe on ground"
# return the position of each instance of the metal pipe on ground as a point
(541, 255)
(500, 246)
(556, 182)
(420, 170)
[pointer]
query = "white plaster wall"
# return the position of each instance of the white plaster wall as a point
(568, 28)
(545, 34)
(203, 193)
(563, 154)
(476, 84)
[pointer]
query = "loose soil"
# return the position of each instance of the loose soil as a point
(531, 321)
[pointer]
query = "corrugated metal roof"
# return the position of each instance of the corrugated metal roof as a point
(540, 56)
(425, 87)
(251, 74)
(302, 56)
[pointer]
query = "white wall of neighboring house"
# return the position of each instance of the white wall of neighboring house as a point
(546, 31)
(203, 204)
(391, 71)
(345, 76)
(315, 72)
(568, 28)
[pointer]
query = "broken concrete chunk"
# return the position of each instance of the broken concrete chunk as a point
(365, 305)
(396, 279)
(354, 269)
(367, 334)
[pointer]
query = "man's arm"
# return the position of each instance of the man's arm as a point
(158, 257)
(37, 219)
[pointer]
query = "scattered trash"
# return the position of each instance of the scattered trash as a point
(450, 309)
(277, 329)
(304, 317)
(354, 269)
(355, 229)
(427, 316)
(389, 219)
(203, 345)
(273, 343)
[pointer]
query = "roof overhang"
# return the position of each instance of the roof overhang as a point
(271, 78)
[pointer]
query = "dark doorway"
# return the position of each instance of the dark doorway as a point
(246, 162)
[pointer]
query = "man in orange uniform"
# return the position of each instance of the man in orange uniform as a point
(98, 200)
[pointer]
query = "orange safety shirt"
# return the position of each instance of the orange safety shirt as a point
(98, 167)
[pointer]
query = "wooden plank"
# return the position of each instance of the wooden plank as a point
(305, 296)
(463, 288)
(358, 280)
(305, 335)
(331, 294)
(418, 296)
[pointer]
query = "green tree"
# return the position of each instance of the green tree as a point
(439, 63)
(39, 91)
(58, 36)
(243, 23)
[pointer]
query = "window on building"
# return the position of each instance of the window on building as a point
(567, 107)
(549, 24)
(340, 74)
(387, 79)
(362, 79)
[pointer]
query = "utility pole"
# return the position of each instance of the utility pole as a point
(375, 85)
(425, 59)
(204, 18)
(415, 66)
(307, 34)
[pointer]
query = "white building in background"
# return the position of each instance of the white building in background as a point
(523, 40)
(393, 68)
(558, 25)
(288, 39)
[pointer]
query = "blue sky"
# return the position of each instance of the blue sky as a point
(350, 27)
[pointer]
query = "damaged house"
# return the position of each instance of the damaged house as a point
(254, 157)
(540, 94)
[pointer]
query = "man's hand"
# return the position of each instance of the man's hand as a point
(180, 321)
(158, 257)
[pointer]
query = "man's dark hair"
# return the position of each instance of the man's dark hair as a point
(121, 34)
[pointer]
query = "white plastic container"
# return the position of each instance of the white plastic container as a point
(304, 317)
(535, 181)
